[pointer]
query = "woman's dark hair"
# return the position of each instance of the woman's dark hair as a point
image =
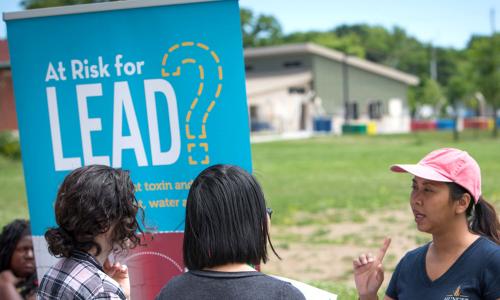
(10, 236)
(90, 201)
(483, 219)
(226, 219)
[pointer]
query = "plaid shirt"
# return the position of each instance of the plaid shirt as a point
(78, 277)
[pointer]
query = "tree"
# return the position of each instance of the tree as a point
(261, 30)
(484, 55)
(349, 44)
(459, 88)
(430, 93)
(30, 4)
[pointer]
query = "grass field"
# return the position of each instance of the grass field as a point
(314, 183)
(353, 171)
(13, 195)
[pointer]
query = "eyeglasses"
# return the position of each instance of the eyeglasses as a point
(269, 212)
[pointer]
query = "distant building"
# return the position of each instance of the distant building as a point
(8, 120)
(291, 86)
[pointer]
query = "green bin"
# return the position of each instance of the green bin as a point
(354, 129)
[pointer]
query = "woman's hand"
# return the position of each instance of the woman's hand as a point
(119, 273)
(369, 273)
(8, 283)
(7, 277)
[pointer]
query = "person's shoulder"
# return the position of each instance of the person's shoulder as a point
(416, 253)
(288, 291)
(87, 277)
(489, 250)
(70, 277)
(488, 245)
(181, 278)
(177, 283)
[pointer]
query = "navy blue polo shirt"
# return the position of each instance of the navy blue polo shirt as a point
(475, 275)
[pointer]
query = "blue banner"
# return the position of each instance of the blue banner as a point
(153, 87)
(156, 90)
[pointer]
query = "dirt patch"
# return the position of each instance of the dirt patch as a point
(325, 251)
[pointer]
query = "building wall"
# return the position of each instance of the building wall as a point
(327, 82)
(8, 120)
(364, 87)
(280, 109)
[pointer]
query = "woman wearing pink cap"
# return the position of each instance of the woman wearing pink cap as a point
(463, 259)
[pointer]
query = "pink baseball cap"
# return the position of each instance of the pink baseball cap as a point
(447, 165)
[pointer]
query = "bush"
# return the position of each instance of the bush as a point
(9, 145)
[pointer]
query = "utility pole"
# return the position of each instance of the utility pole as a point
(433, 64)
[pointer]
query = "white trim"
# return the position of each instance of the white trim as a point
(91, 8)
(333, 55)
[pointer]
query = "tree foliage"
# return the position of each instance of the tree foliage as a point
(259, 30)
(31, 4)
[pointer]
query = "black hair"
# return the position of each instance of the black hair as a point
(10, 236)
(226, 219)
(482, 216)
(89, 202)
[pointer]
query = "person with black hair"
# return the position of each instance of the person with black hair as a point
(462, 262)
(95, 212)
(226, 234)
(17, 263)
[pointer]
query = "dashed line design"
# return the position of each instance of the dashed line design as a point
(191, 146)
(188, 134)
(168, 258)
(200, 89)
(219, 88)
(220, 72)
(214, 55)
(194, 103)
(173, 48)
(202, 72)
(210, 107)
(205, 146)
(202, 46)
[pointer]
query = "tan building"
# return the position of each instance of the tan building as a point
(290, 86)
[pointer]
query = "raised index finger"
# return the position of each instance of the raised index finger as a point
(383, 249)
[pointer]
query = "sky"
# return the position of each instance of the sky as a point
(444, 23)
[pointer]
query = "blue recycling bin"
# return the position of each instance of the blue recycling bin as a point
(445, 124)
(259, 125)
(322, 125)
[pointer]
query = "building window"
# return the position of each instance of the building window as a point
(375, 110)
(297, 90)
(352, 110)
(248, 68)
(254, 112)
(292, 64)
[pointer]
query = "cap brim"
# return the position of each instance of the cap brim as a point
(420, 171)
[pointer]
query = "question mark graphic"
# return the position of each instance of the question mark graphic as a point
(196, 140)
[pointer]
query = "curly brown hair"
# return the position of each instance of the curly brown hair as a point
(91, 200)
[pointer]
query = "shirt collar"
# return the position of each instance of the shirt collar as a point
(87, 257)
